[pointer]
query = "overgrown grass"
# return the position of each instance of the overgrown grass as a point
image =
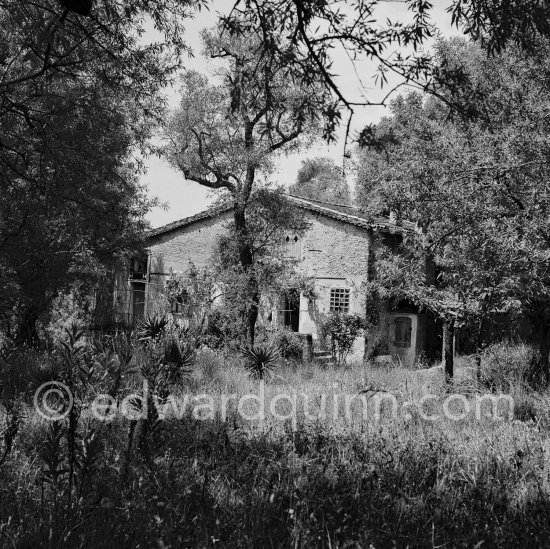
(394, 481)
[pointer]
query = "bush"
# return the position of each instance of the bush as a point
(341, 330)
(152, 328)
(288, 343)
(222, 332)
(505, 365)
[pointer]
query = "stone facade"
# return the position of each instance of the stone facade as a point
(334, 251)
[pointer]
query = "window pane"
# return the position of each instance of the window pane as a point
(339, 300)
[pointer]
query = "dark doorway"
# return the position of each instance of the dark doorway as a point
(291, 311)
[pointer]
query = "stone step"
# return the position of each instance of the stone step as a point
(321, 353)
(322, 357)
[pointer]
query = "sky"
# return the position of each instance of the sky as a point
(182, 198)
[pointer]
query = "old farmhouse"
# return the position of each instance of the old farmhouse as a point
(334, 252)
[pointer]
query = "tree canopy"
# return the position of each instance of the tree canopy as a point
(321, 179)
(476, 180)
(78, 97)
(226, 136)
(315, 29)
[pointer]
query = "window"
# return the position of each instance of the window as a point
(339, 300)
(138, 300)
(293, 247)
(138, 269)
(403, 329)
(291, 311)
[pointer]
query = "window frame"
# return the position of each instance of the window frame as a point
(340, 300)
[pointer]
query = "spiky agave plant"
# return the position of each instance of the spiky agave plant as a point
(179, 361)
(260, 361)
(151, 328)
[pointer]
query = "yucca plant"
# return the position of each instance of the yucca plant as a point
(179, 361)
(260, 361)
(151, 328)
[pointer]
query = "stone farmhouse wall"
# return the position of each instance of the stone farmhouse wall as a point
(336, 255)
(333, 252)
(175, 250)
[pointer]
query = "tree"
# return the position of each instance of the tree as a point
(317, 28)
(270, 217)
(321, 179)
(476, 179)
(43, 43)
(224, 136)
(78, 93)
(76, 205)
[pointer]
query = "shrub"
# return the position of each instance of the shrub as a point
(68, 308)
(288, 343)
(260, 361)
(152, 328)
(221, 331)
(341, 329)
(506, 365)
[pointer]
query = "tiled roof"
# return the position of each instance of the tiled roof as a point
(206, 214)
(341, 212)
(353, 215)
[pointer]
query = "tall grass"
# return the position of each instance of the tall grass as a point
(391, 482)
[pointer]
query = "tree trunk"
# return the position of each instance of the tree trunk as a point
(243, 240)
(27, 333)
(479, 350)
(448, 348)
(246, 260)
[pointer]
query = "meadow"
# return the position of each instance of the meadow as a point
(194, 476)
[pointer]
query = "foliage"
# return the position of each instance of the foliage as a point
(180, 358)
(225, 137)
(193, 295)
(72, 172)
(223, 330)
(166, 364)
(306, 286)
(257, 111)
(475, 180)
(78, 98)
(320, 179)
(239, 291)
(152, 328)
(260, 361)
(70, 307)
(341, 329)
(288, 343)
(368, 482)
(316, 30)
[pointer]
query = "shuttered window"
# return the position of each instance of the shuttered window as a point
(403, 329)
(293, 247)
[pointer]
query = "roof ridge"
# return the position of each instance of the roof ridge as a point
(367, 222)
(324, 202)
(205, 214)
